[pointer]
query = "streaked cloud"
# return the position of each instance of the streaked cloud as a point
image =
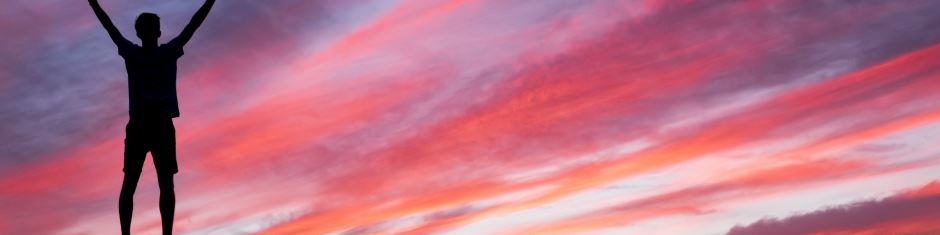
(485, 117)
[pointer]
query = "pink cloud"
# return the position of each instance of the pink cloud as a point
(466, 92)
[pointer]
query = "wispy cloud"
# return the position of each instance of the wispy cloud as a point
(481, 116)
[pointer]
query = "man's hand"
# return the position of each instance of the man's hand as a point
(106, 22)
(194, 24)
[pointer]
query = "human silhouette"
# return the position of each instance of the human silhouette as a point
(151, 78)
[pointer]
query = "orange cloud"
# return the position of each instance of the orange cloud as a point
(329, 139)
(727, 135)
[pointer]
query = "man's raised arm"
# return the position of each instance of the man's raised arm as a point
(194, 24)
(106, 22)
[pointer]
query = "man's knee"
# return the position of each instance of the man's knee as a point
(165, 181)
(127, 191)
(130, 181)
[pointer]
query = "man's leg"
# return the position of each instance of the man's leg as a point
(167, 201)
(134, 153)
(164, 160)
(126, 200)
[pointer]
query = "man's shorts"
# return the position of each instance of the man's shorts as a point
(154, 135)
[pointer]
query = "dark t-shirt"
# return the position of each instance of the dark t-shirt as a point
(151, 78)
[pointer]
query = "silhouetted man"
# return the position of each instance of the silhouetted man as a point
(151, 78)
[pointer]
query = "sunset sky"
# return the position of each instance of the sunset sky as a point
(487, 117)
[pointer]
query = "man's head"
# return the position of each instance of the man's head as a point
(148, 26)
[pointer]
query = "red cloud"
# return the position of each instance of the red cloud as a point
(555, 101)
(552, 107)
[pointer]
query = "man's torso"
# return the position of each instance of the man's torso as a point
(151, 76)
